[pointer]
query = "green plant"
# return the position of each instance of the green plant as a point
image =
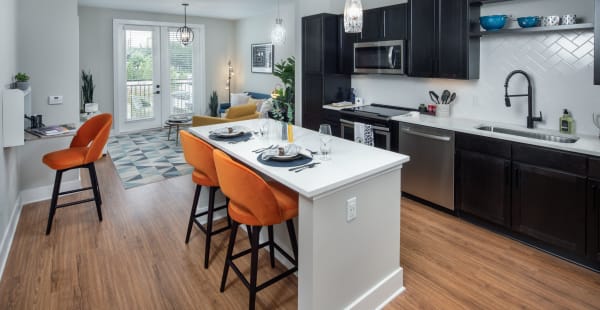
(21, 77)
(283, 103)
(87, 88)
(214, 103)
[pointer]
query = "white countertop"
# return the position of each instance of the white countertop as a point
(331, 107)
(350, 161)
(586, 144)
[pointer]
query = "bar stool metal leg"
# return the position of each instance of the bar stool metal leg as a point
(271, 246)
(96, 190)
(233, 233)
(209, 223)
(193, 214)
(293, 240)
(54, 200)
(254, 266)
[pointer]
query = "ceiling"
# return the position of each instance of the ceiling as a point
(229, 9)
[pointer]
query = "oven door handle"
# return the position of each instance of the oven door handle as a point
(391, 61)
(351, 124)
(426, 135)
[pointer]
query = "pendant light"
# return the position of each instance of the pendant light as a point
(278, 32)
(353, 16)
(185, 33)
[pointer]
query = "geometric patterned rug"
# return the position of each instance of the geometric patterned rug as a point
(146, 157)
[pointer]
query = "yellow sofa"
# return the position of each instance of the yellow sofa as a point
(236, 113)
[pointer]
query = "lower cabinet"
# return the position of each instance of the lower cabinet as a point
(332, 117)
(593, 221)
(549, 206)
(483, 187)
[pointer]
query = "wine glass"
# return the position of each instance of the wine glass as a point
(325, 137)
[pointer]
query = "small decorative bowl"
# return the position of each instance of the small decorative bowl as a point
(552, 20)
(492, 22)
(528, 22)
(568, 19)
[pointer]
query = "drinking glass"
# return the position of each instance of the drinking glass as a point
(325, 137)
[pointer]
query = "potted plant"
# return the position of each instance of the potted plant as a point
(283, 97)
(22, 80)
(87, 93)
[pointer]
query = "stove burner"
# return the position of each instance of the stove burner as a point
(377, 111)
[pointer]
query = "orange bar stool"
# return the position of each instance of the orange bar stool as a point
(86, 147)
(199, 154)
(255, 203)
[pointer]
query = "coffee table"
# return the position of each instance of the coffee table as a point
(177, 124)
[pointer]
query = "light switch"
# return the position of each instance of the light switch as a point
(55, 100)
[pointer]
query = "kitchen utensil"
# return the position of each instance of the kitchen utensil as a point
(568, 19)
(452, 97)
(528, 21)
(445, 96)
(551, 20)
(303, 166)
(434, 97)
(264, 149)
(312, 165)
(493, 22)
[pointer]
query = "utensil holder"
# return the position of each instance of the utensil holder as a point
(442, 110)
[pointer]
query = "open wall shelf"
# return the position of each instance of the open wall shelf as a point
(586, 26)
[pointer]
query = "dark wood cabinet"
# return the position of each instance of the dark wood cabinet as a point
(321, 80)
(332, 117)
(345, 48)
(593, 221)
(483, 187)
(549, 205)
(597, 43)
(384, 24)
(439, 40)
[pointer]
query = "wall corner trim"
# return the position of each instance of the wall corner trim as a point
(9, 233)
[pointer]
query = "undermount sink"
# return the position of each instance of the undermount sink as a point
(530, 134)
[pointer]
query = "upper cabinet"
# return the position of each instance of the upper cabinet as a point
(439, 41)
(384, 24)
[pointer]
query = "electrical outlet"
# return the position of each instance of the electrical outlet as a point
(351, 209)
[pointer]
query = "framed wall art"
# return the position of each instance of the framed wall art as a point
(262, 58)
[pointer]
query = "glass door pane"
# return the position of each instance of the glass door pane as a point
(180, 75)
(140, 74)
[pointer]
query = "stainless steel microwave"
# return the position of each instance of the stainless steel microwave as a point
(382, 57)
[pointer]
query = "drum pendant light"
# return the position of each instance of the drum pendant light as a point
(278, 32)
(353, 16)
(185, 33)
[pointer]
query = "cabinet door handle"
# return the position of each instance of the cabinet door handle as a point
(384, 28)
(507, 174)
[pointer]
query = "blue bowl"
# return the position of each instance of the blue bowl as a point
(528, 22)
(492, 22)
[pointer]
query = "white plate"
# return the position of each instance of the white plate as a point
(228, 132)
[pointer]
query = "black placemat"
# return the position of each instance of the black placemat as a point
(241, 138)
(302, 160)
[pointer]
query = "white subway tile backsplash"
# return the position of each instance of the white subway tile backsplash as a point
(559, 63)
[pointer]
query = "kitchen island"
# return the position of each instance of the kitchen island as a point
(342, 263)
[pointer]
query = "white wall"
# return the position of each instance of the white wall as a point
(560, 64)
(9, 161)
(48, 48)
(257, 29)
(96, 48)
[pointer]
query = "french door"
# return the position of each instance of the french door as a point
(155, 76)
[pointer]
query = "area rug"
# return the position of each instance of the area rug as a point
(146, 157)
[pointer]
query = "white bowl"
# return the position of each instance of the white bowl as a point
(551, 20)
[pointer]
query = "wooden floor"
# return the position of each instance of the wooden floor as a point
(137, 259)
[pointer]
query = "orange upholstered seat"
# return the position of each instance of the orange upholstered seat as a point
(255, 203)
(86, 147)
(199, 155)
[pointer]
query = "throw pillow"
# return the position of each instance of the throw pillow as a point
(237, 99)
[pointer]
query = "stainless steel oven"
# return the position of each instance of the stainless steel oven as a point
(382, 57)
(381, 135)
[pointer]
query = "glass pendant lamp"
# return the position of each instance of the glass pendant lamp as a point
(278, 32)
(353, 16)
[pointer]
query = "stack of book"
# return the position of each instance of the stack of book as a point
(53, 130)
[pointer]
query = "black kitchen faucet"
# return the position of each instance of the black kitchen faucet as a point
(530, 118)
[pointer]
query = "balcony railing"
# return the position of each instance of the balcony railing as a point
(140, 98)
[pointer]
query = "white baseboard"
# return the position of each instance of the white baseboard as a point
(45, 192)
(9, 234)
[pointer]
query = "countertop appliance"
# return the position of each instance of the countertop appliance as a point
(382, 57)
(429, 174)
(377, 115)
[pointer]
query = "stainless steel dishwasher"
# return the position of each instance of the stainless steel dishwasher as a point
(429, 174)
